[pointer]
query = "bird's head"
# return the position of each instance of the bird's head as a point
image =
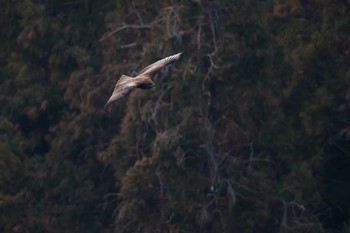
(147, 84)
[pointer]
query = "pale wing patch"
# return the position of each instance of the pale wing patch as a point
(154, 67)
(123, 88)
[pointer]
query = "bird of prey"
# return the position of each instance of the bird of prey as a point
(127, 84)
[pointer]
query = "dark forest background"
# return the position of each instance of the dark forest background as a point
(248, 132)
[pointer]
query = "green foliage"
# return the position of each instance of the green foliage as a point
(247, 132)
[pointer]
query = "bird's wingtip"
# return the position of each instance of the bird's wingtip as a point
(178, 55)
(106, 106)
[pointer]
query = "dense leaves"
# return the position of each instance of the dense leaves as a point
(248, 132)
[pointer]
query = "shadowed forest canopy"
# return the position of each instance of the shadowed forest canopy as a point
(249, 132)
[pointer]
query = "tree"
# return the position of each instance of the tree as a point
(247, 132)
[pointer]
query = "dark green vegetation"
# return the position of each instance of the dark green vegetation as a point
(248, 132)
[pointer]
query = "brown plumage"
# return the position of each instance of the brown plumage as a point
(127, 84)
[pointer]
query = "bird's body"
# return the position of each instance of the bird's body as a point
(127, 84)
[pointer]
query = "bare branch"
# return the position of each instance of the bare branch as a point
(125, 26)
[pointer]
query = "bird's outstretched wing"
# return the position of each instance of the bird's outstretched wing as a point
(123, 88)
(153, 68)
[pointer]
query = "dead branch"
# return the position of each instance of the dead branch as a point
(123, 27)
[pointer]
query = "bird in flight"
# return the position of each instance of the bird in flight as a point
(127, 84)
